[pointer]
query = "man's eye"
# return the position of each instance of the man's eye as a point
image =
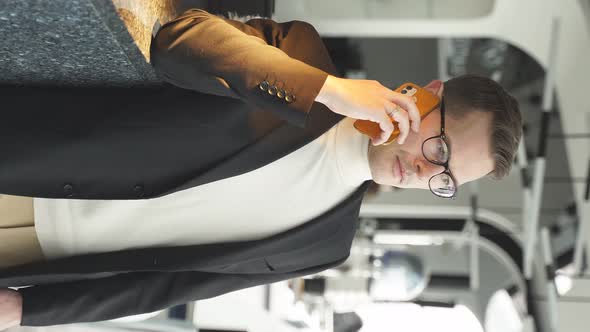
(441, 150)
(446, 180)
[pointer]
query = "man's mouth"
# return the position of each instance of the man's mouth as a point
(400, 170)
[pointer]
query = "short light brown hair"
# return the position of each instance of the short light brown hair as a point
(471, 93)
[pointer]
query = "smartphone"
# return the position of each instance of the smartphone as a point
(425, 100)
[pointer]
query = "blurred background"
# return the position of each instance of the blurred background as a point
(506, 255)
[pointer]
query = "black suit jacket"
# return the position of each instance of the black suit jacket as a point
(112, 143)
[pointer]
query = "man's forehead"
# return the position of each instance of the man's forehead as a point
(470, 141)
(467, 172)
(471, 160)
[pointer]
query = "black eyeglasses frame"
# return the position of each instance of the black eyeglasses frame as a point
(444, 138)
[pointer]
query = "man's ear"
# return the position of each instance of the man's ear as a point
(436, 87)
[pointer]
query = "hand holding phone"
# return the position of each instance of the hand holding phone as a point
(371, 101)
(425, 100)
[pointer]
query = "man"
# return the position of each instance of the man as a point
(253, 172)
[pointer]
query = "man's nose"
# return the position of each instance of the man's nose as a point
(426, 169)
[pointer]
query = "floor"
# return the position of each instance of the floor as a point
(81, 42)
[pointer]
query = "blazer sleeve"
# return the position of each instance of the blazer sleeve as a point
(134, 293)
(213, 55)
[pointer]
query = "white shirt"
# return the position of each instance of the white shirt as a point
(254, 205)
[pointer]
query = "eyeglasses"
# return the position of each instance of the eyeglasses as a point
(437, 150)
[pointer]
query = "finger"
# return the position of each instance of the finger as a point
(403, 122)
(410, 107)
(379, 139)
(376, 141)
(386, 126)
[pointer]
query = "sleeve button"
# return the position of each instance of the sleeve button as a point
(289, 98)
(69, 190)
(272, 90)
(263, 85)
(281, 93)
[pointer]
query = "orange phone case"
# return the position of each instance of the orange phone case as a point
(426, 102)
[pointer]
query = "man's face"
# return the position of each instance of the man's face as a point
(469, 139)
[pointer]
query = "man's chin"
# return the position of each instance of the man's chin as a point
(400, 186)
(408, 186)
